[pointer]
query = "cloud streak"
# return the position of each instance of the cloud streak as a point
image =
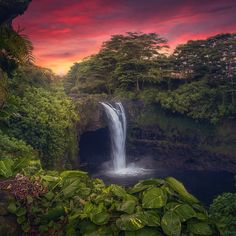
(64, 31)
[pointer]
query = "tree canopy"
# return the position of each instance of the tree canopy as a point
(124, 61)
(137, 62)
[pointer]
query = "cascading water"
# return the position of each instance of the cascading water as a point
(117, 127)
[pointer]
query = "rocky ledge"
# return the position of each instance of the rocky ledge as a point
(171, 140)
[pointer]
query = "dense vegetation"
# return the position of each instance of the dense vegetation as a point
(223, 212)
(34, 109)
(71, 203)
(198, 79)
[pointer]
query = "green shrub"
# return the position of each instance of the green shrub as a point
(45, 120)
(75, 204)
(197, 100)
(125, 94)
(16, 156)
(223, 212)
(13, 148)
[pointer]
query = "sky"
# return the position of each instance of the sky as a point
(66, 31)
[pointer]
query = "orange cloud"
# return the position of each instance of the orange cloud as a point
(64, 32)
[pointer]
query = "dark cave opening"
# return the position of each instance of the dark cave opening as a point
(94, 147)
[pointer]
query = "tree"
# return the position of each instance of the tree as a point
(125, 61)
(15, 48)
(96, 74)
(30, 76)
(136, 45)
(189, 60)
(213, 59)
(71, 77)
(136, 54)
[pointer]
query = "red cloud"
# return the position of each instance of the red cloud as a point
(64, 31)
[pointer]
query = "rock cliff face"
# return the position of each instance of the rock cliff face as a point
(171, 140)
(91, 112)
(10, 9)
(178, 142)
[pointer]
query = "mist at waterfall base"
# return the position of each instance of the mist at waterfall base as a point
(113, 167)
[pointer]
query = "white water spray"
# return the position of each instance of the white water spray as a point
(117, 126)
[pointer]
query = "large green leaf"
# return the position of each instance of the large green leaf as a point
(172, 205)
(6, 168)
(154, 198)
(156, 182)
(20, 163)
(73, 174)
(199, 228)
(145, 184)
(131, 222)
(171, 223)
(99, 214)
(118, 191)
(185, 212)
(127, 206)
(84, 191)
(180, 189)
(49, 178)
(100, 218)
(153, 218)
(88, 208)
(49, 195)
(55, 213)
(87, 227)
(70, 187)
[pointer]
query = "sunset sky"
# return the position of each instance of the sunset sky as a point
(66, 31)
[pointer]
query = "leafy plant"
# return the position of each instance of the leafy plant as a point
(223, 213)
(16, 156)
(45, 120)
(75, 204)
(13, 148)
(15, 45)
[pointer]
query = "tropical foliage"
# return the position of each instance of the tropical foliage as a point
(223, 212)
(15, 48)
(46, 121)
(12, 148)
(33, 109)
(126, 61)
(71, 203)
(198, 79)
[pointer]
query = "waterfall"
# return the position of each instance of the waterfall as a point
(117, 126)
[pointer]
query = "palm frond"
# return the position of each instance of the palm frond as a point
(15, 45)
